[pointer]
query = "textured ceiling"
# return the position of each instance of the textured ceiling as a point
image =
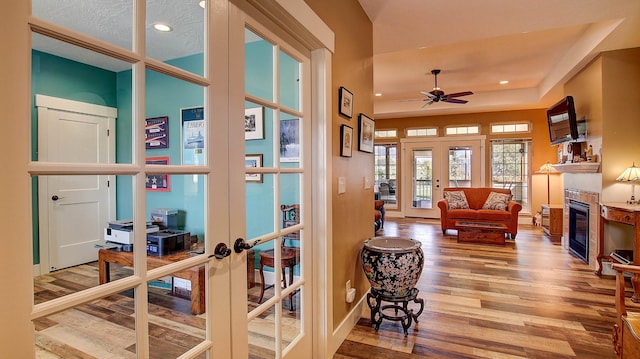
(536, 45)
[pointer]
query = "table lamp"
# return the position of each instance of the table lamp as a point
(631, 175)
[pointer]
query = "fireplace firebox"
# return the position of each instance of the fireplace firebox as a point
(579, 229)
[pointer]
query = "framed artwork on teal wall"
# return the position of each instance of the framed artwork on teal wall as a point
(193, 128)
(154, 181)
(156, 132)
(290, 140)
(253, 160)
(254, 123)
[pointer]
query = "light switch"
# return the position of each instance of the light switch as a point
(342, 185)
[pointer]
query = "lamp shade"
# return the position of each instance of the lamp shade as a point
(545, 168)
(631, 174)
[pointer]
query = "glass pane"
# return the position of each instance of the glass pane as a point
(385, 187)
(75, 222)
(78, 96)
(104, 328)
(422, 179)
(258, 122)
(289, 81)
(290, 136)
(177, 209)
(291, 319)
(259, 77)
(460, 167)
(176, 307)
(259, 206)
(175, 33)
(175, 123)
(97, 18)
(264, 288)
(262, 335)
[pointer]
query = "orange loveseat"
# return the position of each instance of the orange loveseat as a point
(476, 198)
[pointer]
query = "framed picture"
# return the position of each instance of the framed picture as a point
(156, 132)
(290, 140)
(157, 182)
(192, 136)
(253, 160)
(346, 102)
(346, 141)
(254, 123)
(366, 128)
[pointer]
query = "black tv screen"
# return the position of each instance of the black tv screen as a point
(563, 125)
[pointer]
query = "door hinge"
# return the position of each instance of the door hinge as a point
(108, 131)
(108, 183)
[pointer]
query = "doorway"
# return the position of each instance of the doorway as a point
(74, 210)
(434, 164)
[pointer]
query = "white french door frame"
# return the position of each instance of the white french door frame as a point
(440, 146)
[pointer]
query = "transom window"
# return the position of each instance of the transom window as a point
(510, 127)
(414, 132)
(462, 130)
(386, 133)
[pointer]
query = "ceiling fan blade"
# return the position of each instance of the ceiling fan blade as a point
(428, 94)
(427, 103)
(453, 100)
(458, 94)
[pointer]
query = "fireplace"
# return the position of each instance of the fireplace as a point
(579, 229)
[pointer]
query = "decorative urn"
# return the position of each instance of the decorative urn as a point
(392, 264)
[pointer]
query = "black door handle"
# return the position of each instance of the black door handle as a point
(240, 245)
(221, 251)
(55, 197)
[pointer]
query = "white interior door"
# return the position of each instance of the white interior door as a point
(434, 164)
(74, 210)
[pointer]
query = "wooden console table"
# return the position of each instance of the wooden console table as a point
(629, 214)
(195, 275)
(551, 222)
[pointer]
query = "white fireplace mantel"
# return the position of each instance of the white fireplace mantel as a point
(580, 167)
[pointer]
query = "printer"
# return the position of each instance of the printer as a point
(121, 231)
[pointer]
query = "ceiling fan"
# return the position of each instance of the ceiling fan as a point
(437, 95)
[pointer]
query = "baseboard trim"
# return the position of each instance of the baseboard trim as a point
(36, 270)
(345, 327)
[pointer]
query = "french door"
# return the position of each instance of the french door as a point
(434, 164)
(226, 176)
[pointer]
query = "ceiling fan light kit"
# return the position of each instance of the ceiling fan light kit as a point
(437, 95)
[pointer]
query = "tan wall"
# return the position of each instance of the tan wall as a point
(606, 92)
(352, 67)
(542, 151)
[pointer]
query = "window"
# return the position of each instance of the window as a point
(510, 168)
(510, 128)
(413, 132)
(462, 130)
(386, 156)
(386, 133)
(460, 167)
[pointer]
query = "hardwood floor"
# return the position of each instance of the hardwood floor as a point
(528, 299)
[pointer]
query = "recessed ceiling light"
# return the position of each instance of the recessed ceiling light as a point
(162, 27)
(202, 4)
(504, 82)
(378, 94)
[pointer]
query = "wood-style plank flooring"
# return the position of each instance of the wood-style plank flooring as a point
(528, 299)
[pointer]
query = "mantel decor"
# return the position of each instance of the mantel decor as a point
(345, 102)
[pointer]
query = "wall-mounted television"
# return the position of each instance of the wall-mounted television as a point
(561, 118)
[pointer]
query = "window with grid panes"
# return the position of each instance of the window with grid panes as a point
(510, 168)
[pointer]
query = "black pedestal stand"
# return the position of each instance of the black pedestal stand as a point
(375, 299)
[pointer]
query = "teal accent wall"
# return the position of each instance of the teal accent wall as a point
(58, 77)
